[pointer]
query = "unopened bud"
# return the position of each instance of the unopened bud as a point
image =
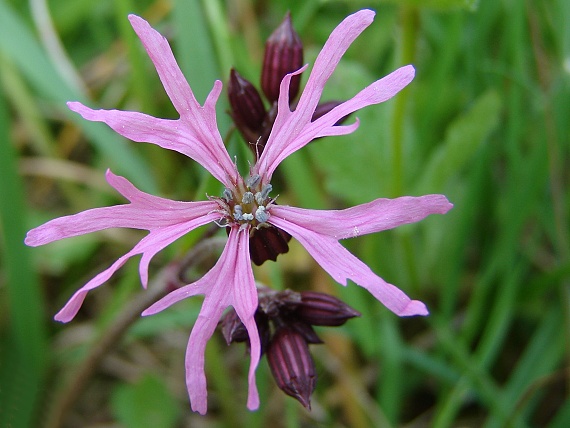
(283, 54)
(305, 330)
(247, 109)
(233, 329)
(323, 309)
(266, 243)
(292, 365)
(324, 108)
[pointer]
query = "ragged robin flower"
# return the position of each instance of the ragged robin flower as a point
(247, 203)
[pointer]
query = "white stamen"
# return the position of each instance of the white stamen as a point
(260, 197)
(253, 180)
(261, 214)
(247, 198)
(238, 213)
(223, 222)
(247, 216)
(227, 194)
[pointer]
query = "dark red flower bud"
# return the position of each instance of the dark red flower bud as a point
(232, 328)
(292, 365)
(322, 309)
(247, 109)
(324, 108)
(306, 331)
(275, 303)
(283, 54)
(266, 243)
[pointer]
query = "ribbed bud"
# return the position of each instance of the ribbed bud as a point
(324, 108)
(291, 365)
(275, 304)
(306, 331)
(234, 330)
(322, 309)
(247, 109)
(266, 243)
(283, 54)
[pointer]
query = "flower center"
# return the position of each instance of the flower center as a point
(247, 205)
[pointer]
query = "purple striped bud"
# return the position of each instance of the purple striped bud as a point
(306, 331)
(266, 243)
(234, 330)
(283, 54)
(322, 309)
(292, 365)
(324, 108)
(247, 109)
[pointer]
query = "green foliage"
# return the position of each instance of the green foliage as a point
(436, 4)
(463, 138)
(145, 404)
(23, 346)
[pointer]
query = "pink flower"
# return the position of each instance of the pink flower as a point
(245, 205)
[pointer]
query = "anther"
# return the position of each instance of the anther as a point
(260, 197)
(253, 180)
(227, 194)
(238, 213)
(247, 198)
(247, 216)
(261, 215)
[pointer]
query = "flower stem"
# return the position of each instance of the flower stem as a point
(409, 20)
(410, 23)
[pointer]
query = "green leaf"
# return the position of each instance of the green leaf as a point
(463, 138)
(147, 403)
(355, 165)
(23, 344)
(431, 4)
(19, 45)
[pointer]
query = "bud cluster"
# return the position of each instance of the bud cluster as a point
(283, 54)
(285, 321)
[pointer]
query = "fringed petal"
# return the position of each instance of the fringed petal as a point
(229, 283)
(151, 244)
(376, 216)
(288, 125)
(145, 212)
(342, 265)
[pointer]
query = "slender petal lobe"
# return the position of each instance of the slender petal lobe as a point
(376, 216)
(195, 134)
(342, 265)
(293, 130)
(145, 212)
(229, 282)
(151, 244)
(166, 221)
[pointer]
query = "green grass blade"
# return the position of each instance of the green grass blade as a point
(24, 354)
(38, 70)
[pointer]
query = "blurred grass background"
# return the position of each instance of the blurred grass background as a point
(485, 122)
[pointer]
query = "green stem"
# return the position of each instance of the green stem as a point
(24, 356)
(409, 19)
(406, 55)
(139, 77)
